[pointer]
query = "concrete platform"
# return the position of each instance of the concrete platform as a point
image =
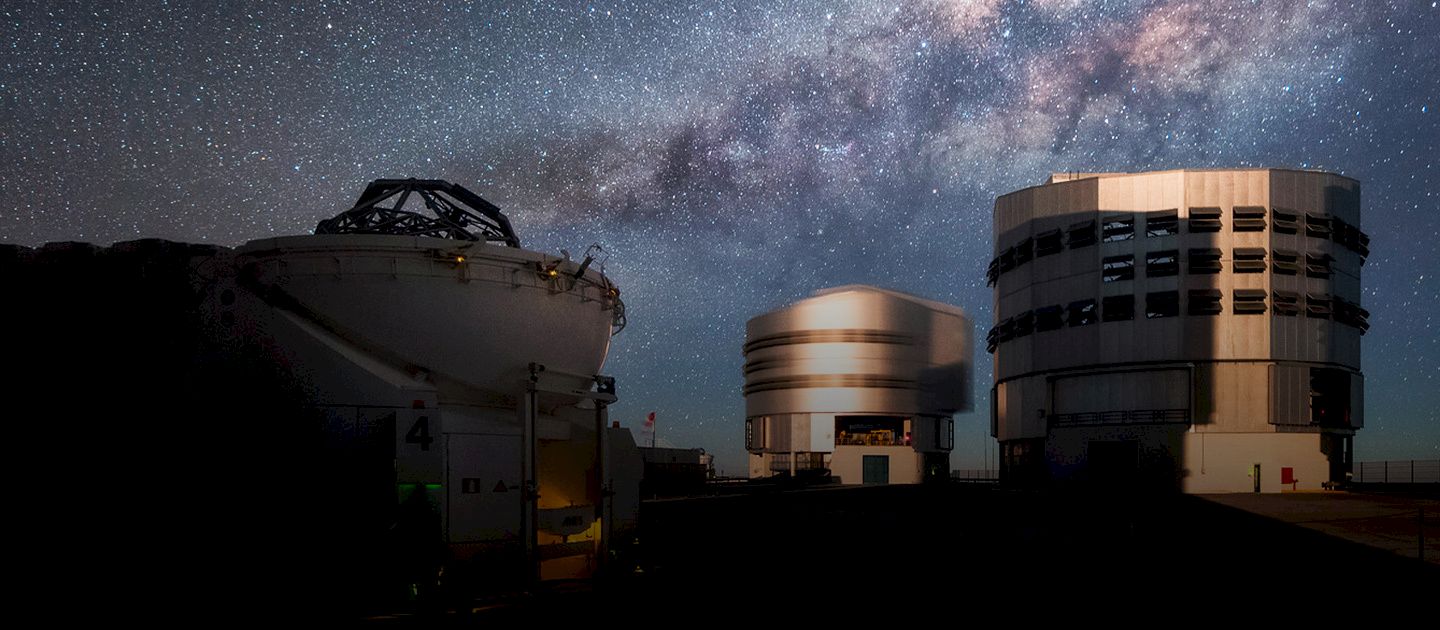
(956, 552)
(1389, 522)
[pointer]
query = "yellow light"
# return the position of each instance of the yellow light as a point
(459, 259)
(552, 273)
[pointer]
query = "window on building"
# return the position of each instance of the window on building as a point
(1163, 223)
(1117, 308)
(1329, 397)
(1249, 302)
(1350, 237)
(1249, 260)
(992, 339)
(1048, 242)
(1024, 252)
(1286, 303)
(1205, 219)
(1343, 310)
(1082, 234)
(1249, 219)
(1119, 228)
(1082, 312)
(1351, 314)
(1117, 268)
(871, 430)
(1287, 262)
(1024, 324)
(1007, 259)
(1342, 233)
(1006, 330)
(1284, 221)
(992, 273)
(1049, 318)
(1317, 265)
(1317, 225)
(755, 433)
(1317, 305)
(1204, 302)
(945, 433)
(1162, 304)
(1162, 263)
(1205, 260)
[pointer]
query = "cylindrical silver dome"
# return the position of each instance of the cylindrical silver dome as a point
(855, 361)
(858, 348)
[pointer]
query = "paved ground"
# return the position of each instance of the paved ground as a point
(1388, 522)
(970, 552)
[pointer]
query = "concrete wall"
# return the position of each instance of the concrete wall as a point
(1234, 397)
(848, 463)
(1221, 462)
(758, 466)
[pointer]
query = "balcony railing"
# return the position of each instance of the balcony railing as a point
(780, 462)
(872, 438)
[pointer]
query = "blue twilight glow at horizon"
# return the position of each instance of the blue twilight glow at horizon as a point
(733, 156)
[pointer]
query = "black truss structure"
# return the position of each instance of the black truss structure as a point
(460, 214)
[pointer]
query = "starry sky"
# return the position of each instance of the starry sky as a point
(732, 156)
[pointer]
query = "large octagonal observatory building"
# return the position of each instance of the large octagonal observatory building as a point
(1190, 329)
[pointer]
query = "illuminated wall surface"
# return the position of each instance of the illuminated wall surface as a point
(858, 381)
(1190, 329)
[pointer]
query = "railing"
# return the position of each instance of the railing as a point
(975, 475)
(1397, 471)
(780, 462)
(873, 438)
(1133, 416)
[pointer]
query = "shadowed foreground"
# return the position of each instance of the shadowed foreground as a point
(956, 550)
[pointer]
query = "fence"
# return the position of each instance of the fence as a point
(1398, 471)
(975, 475)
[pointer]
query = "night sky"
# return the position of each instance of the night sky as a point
(732, 156)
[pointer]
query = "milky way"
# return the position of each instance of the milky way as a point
(734, 156)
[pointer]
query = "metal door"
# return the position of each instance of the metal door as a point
(876, 469)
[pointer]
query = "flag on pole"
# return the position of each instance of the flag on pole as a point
(650, 427)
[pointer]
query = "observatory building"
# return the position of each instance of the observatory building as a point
(426, 377)
(856, 381)
(1195, 330)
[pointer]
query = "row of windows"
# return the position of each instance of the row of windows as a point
(1160, 304)
(1166, 262)
(1166, 223)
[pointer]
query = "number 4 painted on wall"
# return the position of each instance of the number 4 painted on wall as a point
(420, 433)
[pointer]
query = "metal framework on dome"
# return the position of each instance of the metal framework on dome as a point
(459, 213)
